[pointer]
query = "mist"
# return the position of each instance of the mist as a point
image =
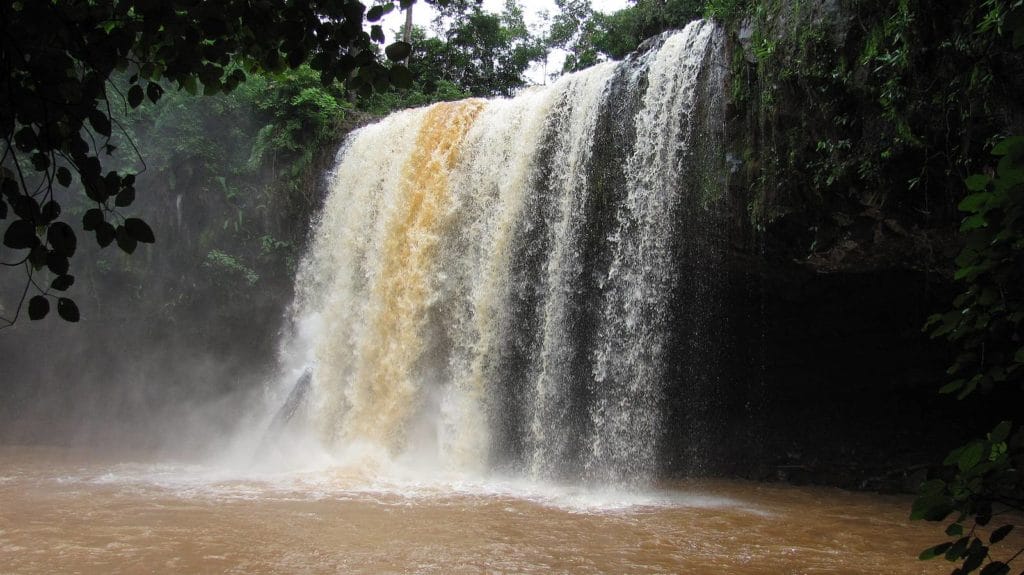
(178, 342)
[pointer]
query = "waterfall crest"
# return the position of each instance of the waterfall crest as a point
(491, 281)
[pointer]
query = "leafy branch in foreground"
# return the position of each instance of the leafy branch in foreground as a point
(986, 483)
(985, 324)
(984, 477)
(59, 102)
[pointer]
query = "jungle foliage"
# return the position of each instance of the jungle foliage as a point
(468, 53)
(591, 36)
(985, 478)
(898, 105)
(887, 103)
(59, 103)
(898, 108)
(227, 180)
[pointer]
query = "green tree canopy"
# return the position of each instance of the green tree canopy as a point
(59, 99)
(471, 52)
(590, 36)
(485, 54)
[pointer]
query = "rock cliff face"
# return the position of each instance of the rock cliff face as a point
(850, 130)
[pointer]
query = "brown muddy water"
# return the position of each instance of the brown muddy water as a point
(62, 512)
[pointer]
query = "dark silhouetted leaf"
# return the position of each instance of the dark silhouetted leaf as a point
(375, 13)
(9, 188)
(27, 208)
(67, 309)
(38, 307)
(92, 219)
(398, 51)
(49, 212)
(1000, 534)
(125, 241)
(931, 507)
(400, 76)
(25, 139)
(99, 122)
(154, 91)
(62, 238)
(40, 161)
(996, 568)
(37, 257)
(125, 197)
(57, 263)
(90, 167)
(952, 386)
(139, 230)
(105, 234)
(62, 282)
(112, 181)
(377, 34)
(933, 552)
(135, 96)
(975, 556)
(96, 189)
(64, 176)
(983, 514)
(20, 235)
(957, 550)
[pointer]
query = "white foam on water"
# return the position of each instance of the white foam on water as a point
(367, 478)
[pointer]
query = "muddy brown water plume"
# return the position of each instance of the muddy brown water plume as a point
(501, 284)
(70, 512)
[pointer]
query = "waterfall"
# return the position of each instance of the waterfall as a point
(507, 284)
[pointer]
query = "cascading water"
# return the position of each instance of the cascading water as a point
(498, 283)
(511, 320)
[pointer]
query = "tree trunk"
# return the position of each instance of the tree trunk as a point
(407, 33)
